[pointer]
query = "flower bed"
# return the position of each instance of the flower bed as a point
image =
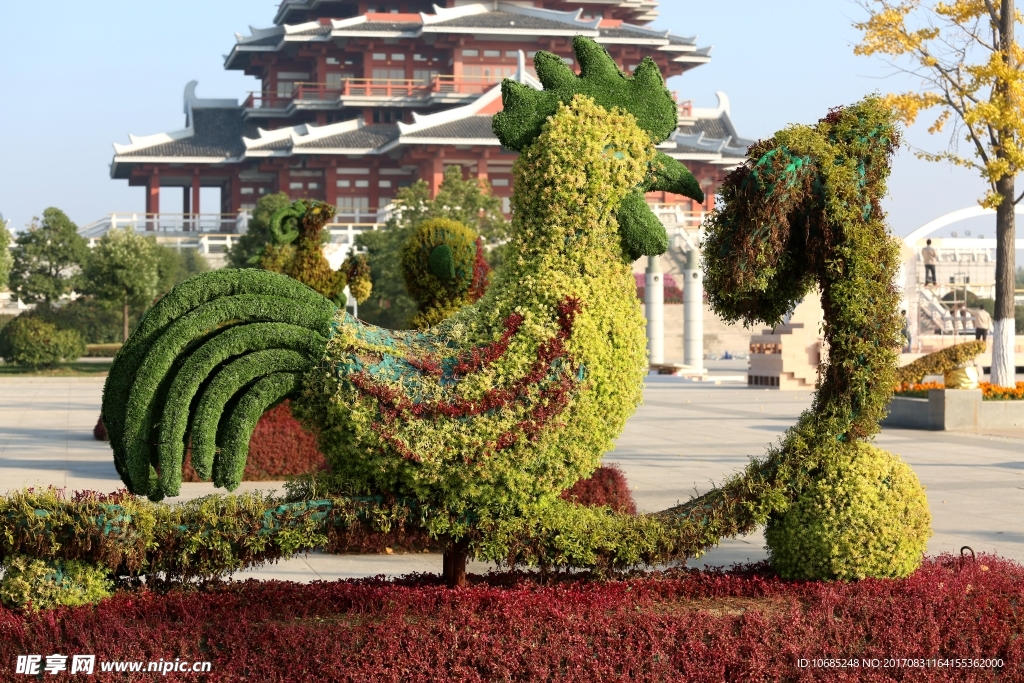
(916, 389)
(694, 626)
(989, 392)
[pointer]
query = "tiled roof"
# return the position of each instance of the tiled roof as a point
(628, 32)
(381, 26)
(471, 127)
(507, 20)
(712, 128)
(367, 137)
(218, 133)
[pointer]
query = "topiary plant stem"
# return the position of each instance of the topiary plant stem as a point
(456, 555)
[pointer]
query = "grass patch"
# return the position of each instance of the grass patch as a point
(76, 369)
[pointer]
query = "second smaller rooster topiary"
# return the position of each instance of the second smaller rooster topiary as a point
(444, 269)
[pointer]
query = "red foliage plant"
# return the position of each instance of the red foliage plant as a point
(606, 486)
(947, 622)
(279, 448)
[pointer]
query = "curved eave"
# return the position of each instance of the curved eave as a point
(480, 30)
(364, 151)
(415, 140)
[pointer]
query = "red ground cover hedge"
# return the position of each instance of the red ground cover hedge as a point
(606, 486)
(691, 626)
(279, 448)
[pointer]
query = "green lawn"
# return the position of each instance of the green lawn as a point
(77, 369)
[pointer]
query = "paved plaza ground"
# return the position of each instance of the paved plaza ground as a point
(685, 437)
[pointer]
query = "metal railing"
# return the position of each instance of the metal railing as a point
(371, 87)
(223, 223)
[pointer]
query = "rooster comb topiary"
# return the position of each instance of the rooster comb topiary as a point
(643, 94)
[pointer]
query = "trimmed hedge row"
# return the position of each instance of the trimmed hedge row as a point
(703, 627)
(205, 537)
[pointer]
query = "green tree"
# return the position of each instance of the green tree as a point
(466, 201)
(177, 265)
(6, 259)
(48, 258)
(122, 272)
(257, 234)
(971, 70)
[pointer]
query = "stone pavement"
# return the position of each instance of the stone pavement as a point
(685, 437)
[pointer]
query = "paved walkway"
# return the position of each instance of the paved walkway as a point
(685, 437)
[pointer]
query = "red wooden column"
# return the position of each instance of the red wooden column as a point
(152, 200)
(331, 184)
(283, 178)
(375, 188)
(195, 201)
(236, 195)
(436, 174)
(481, 165)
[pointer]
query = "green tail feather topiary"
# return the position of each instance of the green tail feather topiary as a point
(230, 380)
(241, 421)
(211, 318)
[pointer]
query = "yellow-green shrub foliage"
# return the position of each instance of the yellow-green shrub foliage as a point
(34, 343)
(304, 222)
(43, 584)
(940, 362)
(865, 515)
(553, 356)
(438, 267)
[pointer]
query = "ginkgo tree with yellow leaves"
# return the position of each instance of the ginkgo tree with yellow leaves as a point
(970, 66)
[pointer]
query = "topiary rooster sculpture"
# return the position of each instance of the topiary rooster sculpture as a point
(510, 401)
(481, 421)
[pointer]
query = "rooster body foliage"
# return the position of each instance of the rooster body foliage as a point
(502, 406)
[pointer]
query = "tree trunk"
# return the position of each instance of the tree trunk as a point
(454, 563)
(124, 321)
(1003, 326)
(1003, 362)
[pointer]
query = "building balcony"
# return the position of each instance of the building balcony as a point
(363, 92)
(170, 223)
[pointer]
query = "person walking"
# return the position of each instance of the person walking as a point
(982, 324)
(907, 348)
(929, 256)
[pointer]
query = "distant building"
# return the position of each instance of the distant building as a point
(355, 100)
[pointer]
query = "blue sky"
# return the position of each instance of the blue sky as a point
(79, 76)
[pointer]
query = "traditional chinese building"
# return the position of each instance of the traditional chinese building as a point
(357, 99)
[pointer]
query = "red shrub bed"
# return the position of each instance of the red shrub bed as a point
(279, 448)
(689, 626)
(606, 486)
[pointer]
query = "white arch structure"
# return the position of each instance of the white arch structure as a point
(955, 217)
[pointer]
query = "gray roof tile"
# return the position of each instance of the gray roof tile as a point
(627, 32)
(367, 137)
(218, 133)
(471, 127)
(382, 26)
(712, 128)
